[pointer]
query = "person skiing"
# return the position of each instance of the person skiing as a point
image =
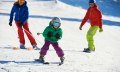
(52, 34)
(21, 12)
(95, 18)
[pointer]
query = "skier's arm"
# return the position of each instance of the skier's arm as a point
(85, 18)
(59, 34)
(12, 14)
(100, 22)
(45, 32)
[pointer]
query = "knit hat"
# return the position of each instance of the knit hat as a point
(92, 1)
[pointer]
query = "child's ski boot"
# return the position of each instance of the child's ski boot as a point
(41, 60)
(62, 60)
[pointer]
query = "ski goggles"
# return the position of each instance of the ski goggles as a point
(56, 24)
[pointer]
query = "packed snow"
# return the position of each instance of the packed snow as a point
(106, 58)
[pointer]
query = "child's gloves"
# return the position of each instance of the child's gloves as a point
(57, 36)
(49, 34)
(100, 30)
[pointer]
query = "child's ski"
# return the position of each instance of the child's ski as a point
(62, 60)
(60, 63)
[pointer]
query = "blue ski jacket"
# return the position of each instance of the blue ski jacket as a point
(21, 12)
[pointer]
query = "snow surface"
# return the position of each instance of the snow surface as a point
(106, 58)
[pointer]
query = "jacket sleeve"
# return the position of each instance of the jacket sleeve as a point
(12, 13)
(100, 20)
(60, 33)
(45, 32)
(85, 18)
(25, 16)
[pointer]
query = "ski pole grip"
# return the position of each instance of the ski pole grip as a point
(39, 33)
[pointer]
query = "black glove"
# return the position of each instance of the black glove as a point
(49, 34)
(10, 23)
(20, 24)
(57, 36)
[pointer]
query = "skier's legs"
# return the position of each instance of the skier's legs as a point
(90, 34)
(29, 34)
(58, 50)
(20, 34)
(45, 48)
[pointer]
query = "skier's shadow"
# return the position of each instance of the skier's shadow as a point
(5, 62)
(24, 62)
(18, 62)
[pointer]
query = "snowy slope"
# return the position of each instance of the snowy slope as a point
(106, 58)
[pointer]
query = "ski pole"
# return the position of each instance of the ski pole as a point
(15, 31)
(31, 35)
(39, 33)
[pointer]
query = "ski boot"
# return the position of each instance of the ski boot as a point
(22, 46)
(41, 60)
(35, 47)
(62, 60)
(87, 50)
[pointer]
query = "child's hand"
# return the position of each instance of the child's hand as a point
(49, 34)
(57, 36)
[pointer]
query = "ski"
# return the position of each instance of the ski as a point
(27, 48)
(60, 63)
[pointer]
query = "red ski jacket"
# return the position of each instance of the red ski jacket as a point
(94, 16)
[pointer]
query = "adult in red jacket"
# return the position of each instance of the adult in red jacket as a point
(95, 17)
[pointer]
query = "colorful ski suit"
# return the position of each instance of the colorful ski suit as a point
(95, 18)
(52, 39)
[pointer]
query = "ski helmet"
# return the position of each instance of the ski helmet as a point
(56, 21)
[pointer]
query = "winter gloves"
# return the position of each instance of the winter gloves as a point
(10, 23)
(57, 36)
(20, 24)
(80, 28)
(100, 30)
(50, 34)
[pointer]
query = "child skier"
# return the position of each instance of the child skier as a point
(95, 18)
(21, 16)
(52, 34)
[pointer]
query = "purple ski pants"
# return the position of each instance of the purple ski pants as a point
(45, 48)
